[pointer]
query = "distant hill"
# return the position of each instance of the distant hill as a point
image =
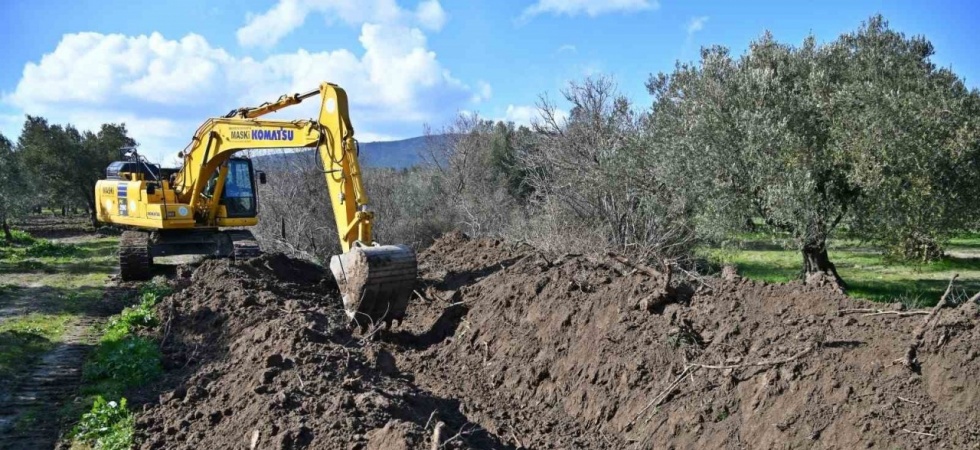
(391, 154)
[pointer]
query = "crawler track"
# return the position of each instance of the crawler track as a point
(134, 256)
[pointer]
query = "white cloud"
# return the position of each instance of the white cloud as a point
(521, 114)
(162, 89)
(591, 8)
(528, 115)
(696, 24)
(567, 48)
(266, 29)
(93, 68)
(430, 15)
(482, 93)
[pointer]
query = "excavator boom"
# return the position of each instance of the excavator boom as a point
(169, 216)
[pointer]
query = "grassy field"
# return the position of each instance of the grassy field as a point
(43, 287)
(868, 271)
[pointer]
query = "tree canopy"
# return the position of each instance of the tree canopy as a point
(65, 162)
(864, 131)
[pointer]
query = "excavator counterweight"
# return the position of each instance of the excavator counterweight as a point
(202, 207)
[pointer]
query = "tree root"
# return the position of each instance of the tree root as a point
(911, 354)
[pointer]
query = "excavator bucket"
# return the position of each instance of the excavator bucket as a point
(376, 283)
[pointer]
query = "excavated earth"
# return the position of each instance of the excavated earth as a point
(507, 347)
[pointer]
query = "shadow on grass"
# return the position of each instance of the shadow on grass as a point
(970, 241)
(950, 264)
(763, 245)
(100, 247)
(54, 300)
(36, 265)
(18, 351)
(914, 293)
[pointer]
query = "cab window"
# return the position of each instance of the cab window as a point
(238, 195)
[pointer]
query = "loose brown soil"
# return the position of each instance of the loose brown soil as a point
(507, 347)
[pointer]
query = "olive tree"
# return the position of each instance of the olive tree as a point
(14, 192)
(856, 132)
(912, 135)
(66, 162)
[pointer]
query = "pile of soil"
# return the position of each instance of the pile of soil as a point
(258, 355)
(509, 347)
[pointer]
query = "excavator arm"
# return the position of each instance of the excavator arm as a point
(376, 281)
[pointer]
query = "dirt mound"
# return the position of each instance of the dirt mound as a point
(569, 352)
(258, 357)
(507, 347)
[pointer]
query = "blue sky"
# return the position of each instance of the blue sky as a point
(163, 67)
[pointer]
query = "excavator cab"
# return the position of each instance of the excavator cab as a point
(238, 196)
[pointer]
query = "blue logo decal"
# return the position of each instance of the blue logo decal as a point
(272, 135)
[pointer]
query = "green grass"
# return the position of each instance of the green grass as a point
(44, 286)
(20, 238)
(870, 274)
(24, 339)
(108, 426)
(971, 241)
(123, 359)
(42, 256)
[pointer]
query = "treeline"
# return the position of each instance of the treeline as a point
(55, 166)
(864, 134)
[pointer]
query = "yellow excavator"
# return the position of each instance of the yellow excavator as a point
(202, 207)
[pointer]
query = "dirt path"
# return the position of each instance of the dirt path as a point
(54, 304)
(26, 419)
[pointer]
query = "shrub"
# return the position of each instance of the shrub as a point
(108, 426)
(44, 248)
(156, 289)
(21, 237)
(130, 361)
(128, 321)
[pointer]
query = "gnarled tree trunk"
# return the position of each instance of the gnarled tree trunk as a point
(816, 265)
(6, 231)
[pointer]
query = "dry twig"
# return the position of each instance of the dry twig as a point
(918, 432)
(691, 368)
(898, 313)
(909, 401)
(437, 435)
(641, 267)
(869, 312)
(975, 298)
(462, 432)
(910, 360)
(513, 434)
(431, 416)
